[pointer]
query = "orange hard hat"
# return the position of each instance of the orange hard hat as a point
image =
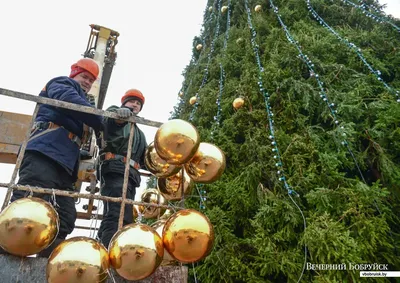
(89, 65)
(132, 94)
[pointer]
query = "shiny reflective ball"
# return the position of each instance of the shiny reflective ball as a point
(207, 165)
(192, 100)
(152, 196)
(136, 251)
(176, 141)
(171, 187)
(258, 8)
(224, 9)
(158, 166)
(188, 235)
(199, 47)
(238, 103)
(28, 226)
(76, 260)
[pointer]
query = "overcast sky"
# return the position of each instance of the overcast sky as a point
(41, 39)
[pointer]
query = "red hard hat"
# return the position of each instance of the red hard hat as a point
(89, 65)
(131, 94)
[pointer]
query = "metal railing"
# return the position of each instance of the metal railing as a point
(91, 196)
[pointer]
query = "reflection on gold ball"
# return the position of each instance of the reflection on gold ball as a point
(158, 166)
(258, 8)
(152, 196)
(192, 100)
(224, 9)
(207, 165)
(188, 235)
(78, 259)
(199, 47)
(167, 214)
(136, 251)
(176, 141)
(238, 103)
(28, 226)
(171, 187)
(159, 226)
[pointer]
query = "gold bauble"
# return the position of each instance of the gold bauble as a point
(192, 100)
(210, 9)
(239, 40)
(136, 251)
(181, 93)
(28, 226)
(176, 141)
(76, 260)
(207, 165)
(171, 187)
(167, 214)
(199, 47)
(223, 9)
(258, 8)
(158, 166)
(152, 196)
(159, 226)
(188, 235)
(238, 103)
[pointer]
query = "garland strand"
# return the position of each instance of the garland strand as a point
(322, 94)
(352, 46)
(277, 156)
(217, 118)
(205, 75)
(364, 10)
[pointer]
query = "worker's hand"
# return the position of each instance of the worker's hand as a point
(124, 112)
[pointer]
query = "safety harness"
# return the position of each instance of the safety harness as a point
(50, 126)
(110, 155)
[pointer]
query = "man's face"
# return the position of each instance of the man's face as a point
(135, 105)
(85, 80)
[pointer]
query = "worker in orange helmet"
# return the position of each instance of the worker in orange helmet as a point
(52, 153)
(112, 162)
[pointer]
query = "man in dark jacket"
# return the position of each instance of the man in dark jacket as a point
(112, 163)
(52, 154)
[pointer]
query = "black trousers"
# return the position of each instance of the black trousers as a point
(39, 170)
(112, 187)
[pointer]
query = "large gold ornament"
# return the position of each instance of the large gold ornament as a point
(257, 8)
(76, 260)
(28, 226)
(176, 141)
(158, 166)
(224, 9)
(199, 47)
(171, 187)
(136, 251)
(192, 100)
(159, 226)
(152, 196)
(188, 235)
(238, 103)
(207, 165)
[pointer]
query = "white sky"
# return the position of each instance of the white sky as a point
(41, 39)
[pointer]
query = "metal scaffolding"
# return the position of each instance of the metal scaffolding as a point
(91, 196)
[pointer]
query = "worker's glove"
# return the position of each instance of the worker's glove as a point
(124, 112)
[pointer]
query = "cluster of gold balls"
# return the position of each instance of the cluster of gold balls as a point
(178, 159)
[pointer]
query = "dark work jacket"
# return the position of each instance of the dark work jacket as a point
(55, 143)
(117, 139)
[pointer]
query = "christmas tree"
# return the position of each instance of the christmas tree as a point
(312, 185)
